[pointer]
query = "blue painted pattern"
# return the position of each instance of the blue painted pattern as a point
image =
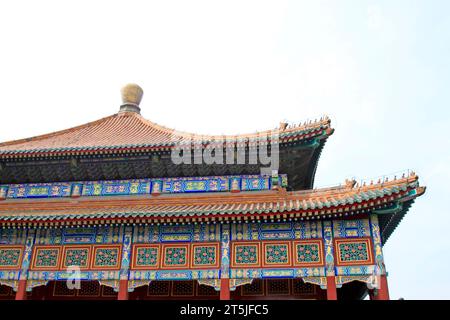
(277, 231)
(138, 186)
(39, 190)
(351, 228)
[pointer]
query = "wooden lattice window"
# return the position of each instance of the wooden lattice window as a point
(278, 287)
(5, 291)
(89, 289)
(108, 292)
(183, 288)
(158, 288)
(61, 289)
(203, 290)
(302, 288)
(256, 288)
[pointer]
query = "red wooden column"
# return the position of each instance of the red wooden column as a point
(21, 290)
(331, 288)
(224, 289)
(225, 257)
(329, 259)
(123, 290)
(125, 263)
(382, 293)
(22, 285)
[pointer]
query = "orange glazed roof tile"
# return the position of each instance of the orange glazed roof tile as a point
(129, 130)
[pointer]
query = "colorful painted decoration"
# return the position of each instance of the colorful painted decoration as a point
(156, 186)
(353, 251)
(377, 244)
(145, 256)
(276, 254)
(329, 247)
(308, 230)
(275, 226)
(357, 251)
(235, 184)
(3, 192)
(175, 256)
(138, 186)
(109, 188)
(12, 236)
(284, 180)
(76, 189)
(10, 257)
(46, 257)
(244, 231)
(183, 252)
(39, 190)
(76, 256)
(256, 183)
(351, 228)
(79, 235)
(205, 255)
(308, 253)
(277, 231)
(106, 257)
(245, 254)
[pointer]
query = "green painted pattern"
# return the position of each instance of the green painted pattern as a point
(354, 251)
(106, 257)
(246, 254)
(147, 257)
(76, 257)
(308, 253)
(175, 256)
(47, 258)
(9, 257)
(277, 253)
(205, 255)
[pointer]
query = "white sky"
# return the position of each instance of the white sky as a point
(379, 69)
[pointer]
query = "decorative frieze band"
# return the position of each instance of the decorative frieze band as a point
(142, 186)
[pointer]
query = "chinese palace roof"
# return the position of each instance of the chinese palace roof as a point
(127, 146)
(129, 131)
(389, 199)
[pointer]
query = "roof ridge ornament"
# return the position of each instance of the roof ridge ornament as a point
(350, 183)
(131, 98)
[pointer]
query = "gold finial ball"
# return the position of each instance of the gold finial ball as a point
(132, 94)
